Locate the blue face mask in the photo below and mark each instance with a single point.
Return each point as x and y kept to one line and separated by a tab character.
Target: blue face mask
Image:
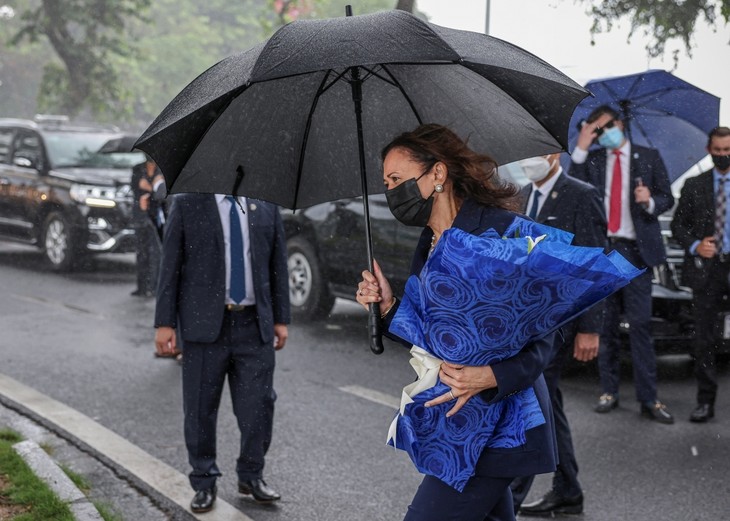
611	138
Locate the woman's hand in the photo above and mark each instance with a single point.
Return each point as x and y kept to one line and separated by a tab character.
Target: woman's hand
374	288
465	382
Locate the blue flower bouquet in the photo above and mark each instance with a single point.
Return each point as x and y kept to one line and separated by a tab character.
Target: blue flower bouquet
479	300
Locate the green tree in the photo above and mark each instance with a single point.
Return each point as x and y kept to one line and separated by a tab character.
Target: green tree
85	35
661	20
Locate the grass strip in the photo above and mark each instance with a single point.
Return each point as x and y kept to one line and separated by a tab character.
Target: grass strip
27	489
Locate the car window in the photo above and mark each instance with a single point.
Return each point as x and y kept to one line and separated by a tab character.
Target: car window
80	149
28	151
6	138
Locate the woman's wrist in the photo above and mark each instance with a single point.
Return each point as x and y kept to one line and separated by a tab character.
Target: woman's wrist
389	308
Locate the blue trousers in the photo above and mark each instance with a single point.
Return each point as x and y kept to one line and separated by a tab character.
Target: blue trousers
483	499
249	366
635	302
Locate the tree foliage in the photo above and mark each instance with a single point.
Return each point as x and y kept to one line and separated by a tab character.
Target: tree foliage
661	20
85	35
124	60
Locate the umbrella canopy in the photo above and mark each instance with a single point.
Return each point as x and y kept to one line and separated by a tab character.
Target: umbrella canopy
660	111
284	109
121	144
300	119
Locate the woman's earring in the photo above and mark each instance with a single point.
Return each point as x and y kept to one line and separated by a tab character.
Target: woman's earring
439	188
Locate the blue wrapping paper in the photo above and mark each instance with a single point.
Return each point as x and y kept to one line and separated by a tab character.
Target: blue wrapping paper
479	300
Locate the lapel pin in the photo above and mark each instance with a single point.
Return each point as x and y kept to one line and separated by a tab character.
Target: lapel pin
636	155
252	206
554	195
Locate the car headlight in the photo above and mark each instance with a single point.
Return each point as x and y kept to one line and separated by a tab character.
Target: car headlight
90	195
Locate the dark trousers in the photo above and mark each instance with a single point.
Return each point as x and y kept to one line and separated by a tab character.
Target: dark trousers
483	499
249	365
707	303
635	302
565	478
149	253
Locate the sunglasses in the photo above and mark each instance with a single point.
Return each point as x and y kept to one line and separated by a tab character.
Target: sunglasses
609	124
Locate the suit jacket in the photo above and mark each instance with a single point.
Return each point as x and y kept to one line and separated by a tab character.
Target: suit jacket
694	219
648	165
539	453
192	274
576	207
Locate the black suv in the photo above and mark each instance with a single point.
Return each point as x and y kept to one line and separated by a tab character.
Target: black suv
59	193
326	249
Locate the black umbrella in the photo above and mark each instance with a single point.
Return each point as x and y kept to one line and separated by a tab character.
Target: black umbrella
300	118
120	144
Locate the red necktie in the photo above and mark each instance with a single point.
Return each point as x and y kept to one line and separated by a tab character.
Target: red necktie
614	212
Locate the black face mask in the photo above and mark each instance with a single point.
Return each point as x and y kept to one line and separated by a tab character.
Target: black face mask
722	163
408	205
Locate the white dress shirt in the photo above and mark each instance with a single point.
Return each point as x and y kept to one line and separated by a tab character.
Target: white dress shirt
626	230
544	190
224	208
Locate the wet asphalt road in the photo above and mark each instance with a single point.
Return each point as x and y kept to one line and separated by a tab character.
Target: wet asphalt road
83	340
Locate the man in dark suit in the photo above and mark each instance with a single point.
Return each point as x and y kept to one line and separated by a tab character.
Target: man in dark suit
635	186
224	291
555	199
702	227
144	177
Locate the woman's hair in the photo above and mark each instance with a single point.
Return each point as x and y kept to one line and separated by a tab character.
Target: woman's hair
474	176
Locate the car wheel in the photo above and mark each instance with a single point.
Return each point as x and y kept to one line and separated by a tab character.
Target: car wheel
309	295
57	243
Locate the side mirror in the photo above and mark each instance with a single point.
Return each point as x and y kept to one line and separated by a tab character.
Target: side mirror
24	162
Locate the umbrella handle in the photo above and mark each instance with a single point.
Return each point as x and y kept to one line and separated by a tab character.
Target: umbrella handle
376	337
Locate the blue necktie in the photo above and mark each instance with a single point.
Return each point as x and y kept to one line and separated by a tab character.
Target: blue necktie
238	267
535	199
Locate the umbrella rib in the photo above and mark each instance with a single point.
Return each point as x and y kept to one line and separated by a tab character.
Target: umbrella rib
322	88
403	92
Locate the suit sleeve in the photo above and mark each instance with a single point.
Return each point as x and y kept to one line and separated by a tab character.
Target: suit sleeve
520	371
590	230
279	273
661	189
579	171
173	245
683	220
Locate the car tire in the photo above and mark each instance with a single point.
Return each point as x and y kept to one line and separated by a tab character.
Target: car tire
57	243
309	295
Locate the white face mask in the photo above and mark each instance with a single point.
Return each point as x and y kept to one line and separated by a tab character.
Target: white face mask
536	168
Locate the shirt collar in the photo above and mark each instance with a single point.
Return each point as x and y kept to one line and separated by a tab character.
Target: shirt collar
219	198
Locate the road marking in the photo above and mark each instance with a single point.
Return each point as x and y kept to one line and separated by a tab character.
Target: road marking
155	474
56	304
373	396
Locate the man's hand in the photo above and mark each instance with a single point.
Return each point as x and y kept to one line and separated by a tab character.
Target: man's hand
586	136
144	202
465	382
165	341
281	333
585	347
642	194
707	248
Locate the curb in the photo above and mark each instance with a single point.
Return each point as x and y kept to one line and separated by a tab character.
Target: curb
47	470
163	484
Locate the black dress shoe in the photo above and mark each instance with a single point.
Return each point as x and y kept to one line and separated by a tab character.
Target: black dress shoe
657	411
702	413
553	503
260	491
203	500
606	403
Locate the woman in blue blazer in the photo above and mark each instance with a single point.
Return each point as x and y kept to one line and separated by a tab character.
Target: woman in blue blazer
435	181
